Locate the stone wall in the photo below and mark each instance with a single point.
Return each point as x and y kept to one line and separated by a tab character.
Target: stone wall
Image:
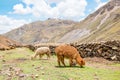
109	50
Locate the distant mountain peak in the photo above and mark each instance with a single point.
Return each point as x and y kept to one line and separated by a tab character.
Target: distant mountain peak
53	19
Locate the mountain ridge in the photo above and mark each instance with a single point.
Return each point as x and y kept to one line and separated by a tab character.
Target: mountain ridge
102	25
41	31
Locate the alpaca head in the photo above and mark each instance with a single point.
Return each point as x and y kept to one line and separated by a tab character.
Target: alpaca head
80	61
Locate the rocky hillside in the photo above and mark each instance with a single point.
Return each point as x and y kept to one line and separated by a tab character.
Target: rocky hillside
6	44
41	31
102	25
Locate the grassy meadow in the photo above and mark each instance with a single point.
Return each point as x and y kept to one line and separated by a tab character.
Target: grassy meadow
15	64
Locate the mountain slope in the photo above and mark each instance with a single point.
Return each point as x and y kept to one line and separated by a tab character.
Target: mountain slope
102	25
6	43
105	23
41	31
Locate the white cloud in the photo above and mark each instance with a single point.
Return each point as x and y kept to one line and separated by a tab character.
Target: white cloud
72	9
100	4
54	1
98	1
19	9
28	2
7	23
66	9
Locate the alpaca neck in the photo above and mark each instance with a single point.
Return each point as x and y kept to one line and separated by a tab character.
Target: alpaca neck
80	61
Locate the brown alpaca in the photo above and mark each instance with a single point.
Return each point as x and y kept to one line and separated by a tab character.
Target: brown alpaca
41	51
70	52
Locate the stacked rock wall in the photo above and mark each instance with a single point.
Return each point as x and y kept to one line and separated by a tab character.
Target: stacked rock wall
109	50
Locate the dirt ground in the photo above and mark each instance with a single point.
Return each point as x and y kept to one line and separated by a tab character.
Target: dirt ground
101	63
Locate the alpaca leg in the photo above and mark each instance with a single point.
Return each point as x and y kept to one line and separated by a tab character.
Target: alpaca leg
62	60
48	55
59	59
71	62
40	56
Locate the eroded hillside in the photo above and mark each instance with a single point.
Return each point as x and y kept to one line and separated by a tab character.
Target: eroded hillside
102	25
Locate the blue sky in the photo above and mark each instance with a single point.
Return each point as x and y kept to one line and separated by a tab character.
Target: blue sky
15	13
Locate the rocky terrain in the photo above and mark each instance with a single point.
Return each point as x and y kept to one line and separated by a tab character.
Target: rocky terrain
6	43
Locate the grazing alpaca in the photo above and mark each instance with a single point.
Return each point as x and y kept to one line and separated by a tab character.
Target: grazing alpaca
67	51
41	51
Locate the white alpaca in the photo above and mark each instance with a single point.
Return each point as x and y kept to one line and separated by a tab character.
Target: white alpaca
41	51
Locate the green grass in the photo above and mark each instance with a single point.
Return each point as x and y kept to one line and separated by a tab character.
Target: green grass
48	69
